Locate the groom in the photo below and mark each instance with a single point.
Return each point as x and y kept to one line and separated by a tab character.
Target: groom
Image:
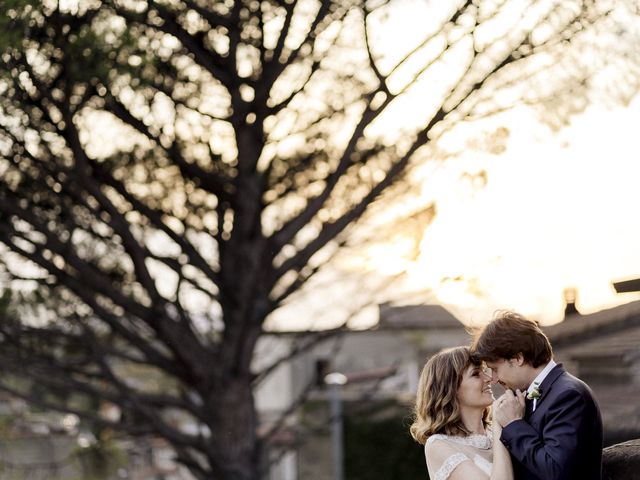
551	422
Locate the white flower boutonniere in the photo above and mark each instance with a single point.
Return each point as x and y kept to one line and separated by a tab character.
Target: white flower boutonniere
535	393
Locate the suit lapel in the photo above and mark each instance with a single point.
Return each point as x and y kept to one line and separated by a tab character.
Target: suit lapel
545	386
528	408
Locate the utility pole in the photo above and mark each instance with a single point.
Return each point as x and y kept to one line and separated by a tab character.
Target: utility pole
336	381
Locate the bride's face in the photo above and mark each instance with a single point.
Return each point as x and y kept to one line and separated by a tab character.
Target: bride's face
475	388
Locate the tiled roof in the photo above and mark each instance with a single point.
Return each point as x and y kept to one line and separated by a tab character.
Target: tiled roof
620	411
581	328
604	347
417	316
620	341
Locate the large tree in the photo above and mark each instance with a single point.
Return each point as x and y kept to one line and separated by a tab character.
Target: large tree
173	171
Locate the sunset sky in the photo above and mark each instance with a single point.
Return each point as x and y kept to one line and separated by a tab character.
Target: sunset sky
559	209
556	208
552	209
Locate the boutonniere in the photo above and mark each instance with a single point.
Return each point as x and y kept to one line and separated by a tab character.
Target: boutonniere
535	393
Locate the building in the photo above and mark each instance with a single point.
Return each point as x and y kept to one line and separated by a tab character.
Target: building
383	363
603	349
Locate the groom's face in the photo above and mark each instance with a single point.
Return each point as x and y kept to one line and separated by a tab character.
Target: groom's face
509	373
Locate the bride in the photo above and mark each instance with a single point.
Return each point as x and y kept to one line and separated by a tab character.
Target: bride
451	420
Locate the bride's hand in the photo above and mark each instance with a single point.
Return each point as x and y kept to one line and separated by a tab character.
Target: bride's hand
495	425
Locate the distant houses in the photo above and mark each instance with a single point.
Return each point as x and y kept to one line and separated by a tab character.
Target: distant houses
380	364
396	349
603	349
384	363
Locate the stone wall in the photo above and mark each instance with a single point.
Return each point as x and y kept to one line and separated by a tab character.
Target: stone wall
622	461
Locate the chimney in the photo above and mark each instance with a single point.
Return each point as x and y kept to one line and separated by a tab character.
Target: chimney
570	296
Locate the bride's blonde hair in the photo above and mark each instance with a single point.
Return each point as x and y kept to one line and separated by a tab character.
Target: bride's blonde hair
437	409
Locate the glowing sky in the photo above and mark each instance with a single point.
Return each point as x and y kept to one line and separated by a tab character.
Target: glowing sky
559	209
555	209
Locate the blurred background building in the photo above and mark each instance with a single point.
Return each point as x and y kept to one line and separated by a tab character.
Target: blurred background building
381	367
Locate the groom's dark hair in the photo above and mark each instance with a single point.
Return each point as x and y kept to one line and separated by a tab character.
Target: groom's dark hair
509	334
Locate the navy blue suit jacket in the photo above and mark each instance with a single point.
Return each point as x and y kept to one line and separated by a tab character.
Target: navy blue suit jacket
562	438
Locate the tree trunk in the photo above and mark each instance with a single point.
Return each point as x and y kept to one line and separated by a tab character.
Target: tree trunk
234	448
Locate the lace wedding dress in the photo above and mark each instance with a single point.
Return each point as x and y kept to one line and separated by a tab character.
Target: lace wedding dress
445	452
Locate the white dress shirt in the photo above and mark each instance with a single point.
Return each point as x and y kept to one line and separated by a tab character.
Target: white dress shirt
538	380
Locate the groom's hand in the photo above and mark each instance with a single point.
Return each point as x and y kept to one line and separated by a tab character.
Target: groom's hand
509	407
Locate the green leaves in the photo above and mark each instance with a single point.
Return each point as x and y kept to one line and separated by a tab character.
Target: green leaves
15	17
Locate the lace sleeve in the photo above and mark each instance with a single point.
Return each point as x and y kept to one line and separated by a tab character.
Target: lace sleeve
443	456
449	465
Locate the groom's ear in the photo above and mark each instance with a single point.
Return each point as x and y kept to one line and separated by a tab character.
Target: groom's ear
519	359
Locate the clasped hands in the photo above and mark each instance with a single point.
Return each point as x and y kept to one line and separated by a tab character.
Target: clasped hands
509	407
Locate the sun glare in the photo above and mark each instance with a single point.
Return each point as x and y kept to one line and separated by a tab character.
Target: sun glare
558	211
